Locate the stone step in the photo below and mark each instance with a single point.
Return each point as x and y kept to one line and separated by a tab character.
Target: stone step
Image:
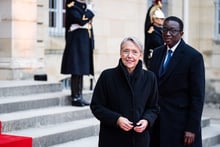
60	133
211	135
18	88
42	110
92	141
33	101
84	142
42	117
205	122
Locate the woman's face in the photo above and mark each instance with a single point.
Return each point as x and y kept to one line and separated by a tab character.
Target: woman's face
130	55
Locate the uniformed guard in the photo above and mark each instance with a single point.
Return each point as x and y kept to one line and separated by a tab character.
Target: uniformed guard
156	4
78	53
153	30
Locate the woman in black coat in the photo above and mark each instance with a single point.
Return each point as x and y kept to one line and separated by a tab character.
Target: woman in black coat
125	100
78	54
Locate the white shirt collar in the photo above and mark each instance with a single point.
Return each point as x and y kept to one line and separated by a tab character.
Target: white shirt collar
174	47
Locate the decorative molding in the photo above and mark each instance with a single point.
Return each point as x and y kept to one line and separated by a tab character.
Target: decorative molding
21	63
54	51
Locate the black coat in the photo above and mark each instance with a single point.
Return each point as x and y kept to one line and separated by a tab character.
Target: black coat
181	95
118	94
78	53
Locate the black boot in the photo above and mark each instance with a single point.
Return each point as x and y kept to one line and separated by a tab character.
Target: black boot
80	91
76	91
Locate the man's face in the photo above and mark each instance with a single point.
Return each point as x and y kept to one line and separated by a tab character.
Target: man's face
171	33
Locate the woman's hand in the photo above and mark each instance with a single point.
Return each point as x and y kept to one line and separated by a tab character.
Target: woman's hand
141	126
124	123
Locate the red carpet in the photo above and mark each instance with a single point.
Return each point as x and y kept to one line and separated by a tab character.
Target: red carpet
0	127
15	141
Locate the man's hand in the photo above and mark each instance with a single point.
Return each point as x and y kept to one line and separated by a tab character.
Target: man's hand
124	123
189	138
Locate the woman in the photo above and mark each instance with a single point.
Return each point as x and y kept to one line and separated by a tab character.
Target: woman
125	100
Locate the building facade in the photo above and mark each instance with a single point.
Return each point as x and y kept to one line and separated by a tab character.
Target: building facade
32	34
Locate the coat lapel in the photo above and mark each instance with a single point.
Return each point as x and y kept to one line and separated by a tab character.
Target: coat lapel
159	61
176	58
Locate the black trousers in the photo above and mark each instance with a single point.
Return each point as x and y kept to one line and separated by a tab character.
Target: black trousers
76	86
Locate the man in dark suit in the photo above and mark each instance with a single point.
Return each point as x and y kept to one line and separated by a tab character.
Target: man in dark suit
181	89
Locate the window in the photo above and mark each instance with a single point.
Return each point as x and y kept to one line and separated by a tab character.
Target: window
57	17
217	18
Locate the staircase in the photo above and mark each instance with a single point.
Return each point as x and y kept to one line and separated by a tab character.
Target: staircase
42	110
210	133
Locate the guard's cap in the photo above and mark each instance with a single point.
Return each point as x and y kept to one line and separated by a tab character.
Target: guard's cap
158	13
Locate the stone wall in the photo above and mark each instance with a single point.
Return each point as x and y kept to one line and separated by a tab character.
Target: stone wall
19	57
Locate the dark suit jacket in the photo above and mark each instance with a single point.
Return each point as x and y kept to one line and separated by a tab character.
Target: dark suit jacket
181	94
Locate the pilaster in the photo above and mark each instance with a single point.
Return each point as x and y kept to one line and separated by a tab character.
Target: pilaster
19	58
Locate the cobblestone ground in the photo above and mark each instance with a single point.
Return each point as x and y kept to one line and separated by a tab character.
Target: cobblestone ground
212	111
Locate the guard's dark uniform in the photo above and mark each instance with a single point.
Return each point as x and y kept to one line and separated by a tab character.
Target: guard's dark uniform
78	54
152	33
153	39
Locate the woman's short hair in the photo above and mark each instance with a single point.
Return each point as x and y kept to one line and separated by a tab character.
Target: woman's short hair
136	41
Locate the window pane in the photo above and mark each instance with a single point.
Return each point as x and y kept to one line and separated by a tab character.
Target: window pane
64	2
64	13
218	14
218	28
52	4
52	19
57	12
64	19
